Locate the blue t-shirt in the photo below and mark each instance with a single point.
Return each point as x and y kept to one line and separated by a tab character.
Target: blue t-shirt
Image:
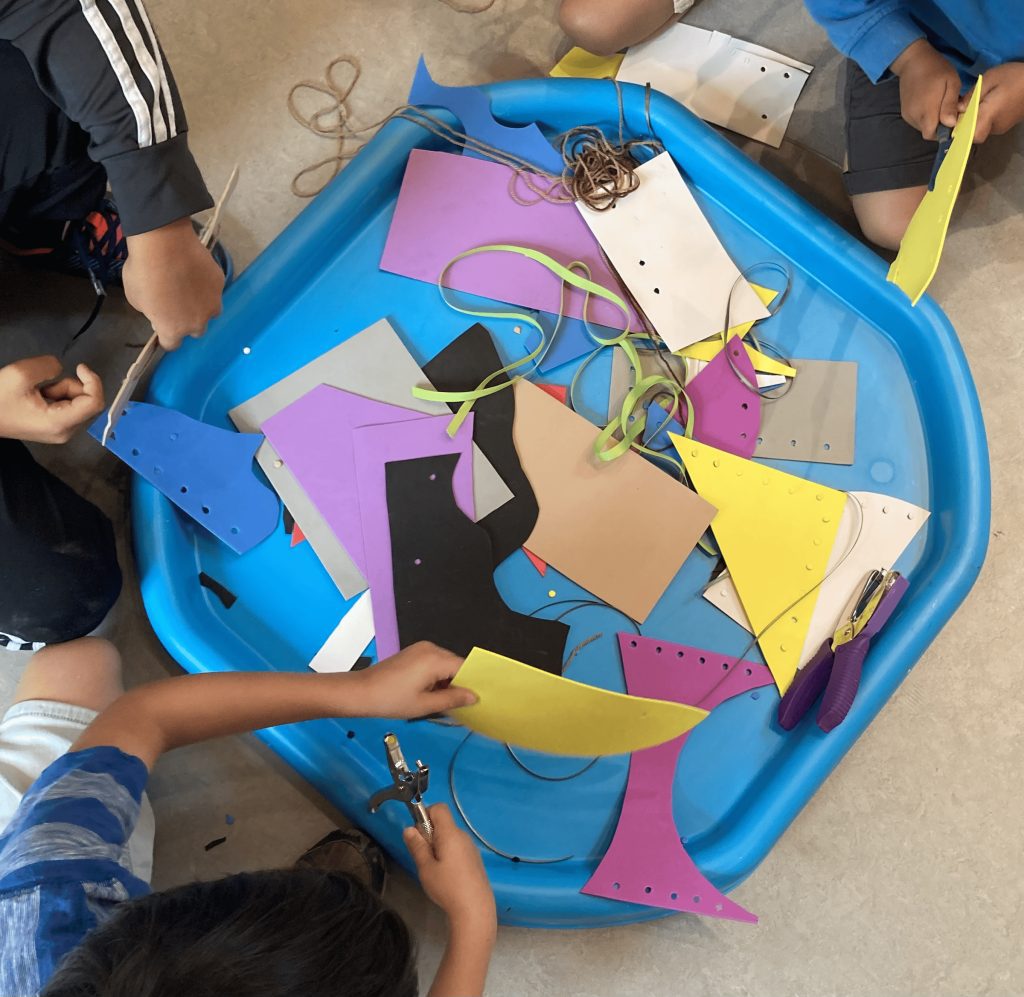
63	861
974	34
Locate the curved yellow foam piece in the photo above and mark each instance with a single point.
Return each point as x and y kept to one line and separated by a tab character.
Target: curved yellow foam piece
921	248
776	532
525	706
581	63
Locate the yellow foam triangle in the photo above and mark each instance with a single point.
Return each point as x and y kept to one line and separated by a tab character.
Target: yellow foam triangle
579	62
522	705
710	348
921	247
776	532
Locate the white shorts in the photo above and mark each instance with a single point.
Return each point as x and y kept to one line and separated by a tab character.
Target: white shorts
33	735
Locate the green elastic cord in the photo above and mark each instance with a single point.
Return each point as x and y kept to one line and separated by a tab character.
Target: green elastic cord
629	422
486	387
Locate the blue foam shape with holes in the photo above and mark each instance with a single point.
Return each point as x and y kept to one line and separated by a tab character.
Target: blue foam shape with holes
205	471
473	108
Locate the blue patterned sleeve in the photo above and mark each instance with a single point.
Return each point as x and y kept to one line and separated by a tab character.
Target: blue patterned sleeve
63	861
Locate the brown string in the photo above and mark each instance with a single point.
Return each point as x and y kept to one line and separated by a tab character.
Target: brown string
597	172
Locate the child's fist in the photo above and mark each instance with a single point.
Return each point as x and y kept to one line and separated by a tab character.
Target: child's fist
929	88
451	872
1002	100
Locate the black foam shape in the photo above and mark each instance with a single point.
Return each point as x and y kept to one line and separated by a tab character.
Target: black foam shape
222	592
443	572
461	367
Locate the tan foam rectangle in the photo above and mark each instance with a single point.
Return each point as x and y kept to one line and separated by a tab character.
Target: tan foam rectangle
587	527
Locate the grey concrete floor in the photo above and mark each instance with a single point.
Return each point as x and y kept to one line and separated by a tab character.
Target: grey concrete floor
903	876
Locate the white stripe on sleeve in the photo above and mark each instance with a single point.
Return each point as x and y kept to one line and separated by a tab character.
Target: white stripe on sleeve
145	60
122	70
165	87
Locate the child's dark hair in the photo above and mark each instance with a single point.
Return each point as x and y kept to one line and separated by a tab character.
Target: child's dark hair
287	933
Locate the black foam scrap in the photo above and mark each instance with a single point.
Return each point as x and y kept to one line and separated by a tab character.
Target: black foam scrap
443	572
462	366
222	592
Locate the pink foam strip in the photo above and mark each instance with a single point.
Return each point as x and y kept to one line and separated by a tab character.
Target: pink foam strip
646	863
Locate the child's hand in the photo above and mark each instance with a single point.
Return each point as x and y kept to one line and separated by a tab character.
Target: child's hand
452	873
929	88
1002	100
39	406
413	683
173	280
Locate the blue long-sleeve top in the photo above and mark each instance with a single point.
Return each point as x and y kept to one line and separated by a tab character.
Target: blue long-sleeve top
974	34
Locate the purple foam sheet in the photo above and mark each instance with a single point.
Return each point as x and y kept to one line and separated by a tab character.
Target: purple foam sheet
374	447
314	437
646	863
473	108
204	470
726	413
451	203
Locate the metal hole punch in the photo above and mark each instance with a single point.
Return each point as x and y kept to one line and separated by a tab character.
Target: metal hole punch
408	787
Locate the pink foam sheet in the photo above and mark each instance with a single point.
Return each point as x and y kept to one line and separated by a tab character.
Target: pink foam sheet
314	437
646	863
451	203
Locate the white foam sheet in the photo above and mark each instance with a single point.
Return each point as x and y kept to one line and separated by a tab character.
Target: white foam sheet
741	86
666	251
348	640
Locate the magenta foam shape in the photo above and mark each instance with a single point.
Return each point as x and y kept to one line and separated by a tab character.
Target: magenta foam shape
726	413
646	862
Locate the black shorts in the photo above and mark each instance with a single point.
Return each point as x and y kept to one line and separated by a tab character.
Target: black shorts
883	152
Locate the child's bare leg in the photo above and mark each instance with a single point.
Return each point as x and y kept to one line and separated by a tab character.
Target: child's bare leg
605	26
885	214
84	672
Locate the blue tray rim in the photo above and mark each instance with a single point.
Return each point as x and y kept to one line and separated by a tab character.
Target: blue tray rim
701	152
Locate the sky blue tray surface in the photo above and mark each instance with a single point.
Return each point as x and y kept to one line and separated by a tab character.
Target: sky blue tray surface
920	437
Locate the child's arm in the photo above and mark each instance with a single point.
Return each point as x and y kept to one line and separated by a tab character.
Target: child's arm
871	32
452	875
157	717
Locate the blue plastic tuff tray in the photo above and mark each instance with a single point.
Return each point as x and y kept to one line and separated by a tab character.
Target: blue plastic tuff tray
920	437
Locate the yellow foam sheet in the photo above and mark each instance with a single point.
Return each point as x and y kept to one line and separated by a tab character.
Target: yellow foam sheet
710	348
776	532
921	248
581	63
525	706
